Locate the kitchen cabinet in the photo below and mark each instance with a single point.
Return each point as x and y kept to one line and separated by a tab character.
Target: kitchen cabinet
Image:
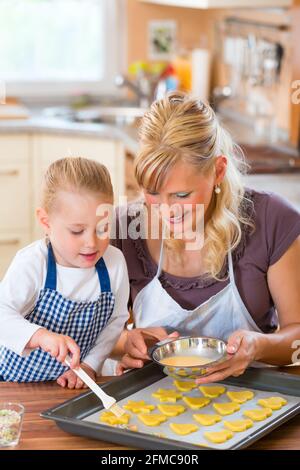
24	158
10	243
15	196
205	4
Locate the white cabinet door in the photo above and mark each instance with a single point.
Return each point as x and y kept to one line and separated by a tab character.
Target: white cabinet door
14	196
286	185
14	147
10	243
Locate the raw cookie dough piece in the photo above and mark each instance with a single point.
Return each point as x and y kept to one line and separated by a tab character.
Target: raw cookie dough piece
239	425
240	397
258	415
183	429
207	419
167	395
171	410
138	406
159	434
226	408
218	437
185	386
152	419
275	403
212	392
196	403
109	418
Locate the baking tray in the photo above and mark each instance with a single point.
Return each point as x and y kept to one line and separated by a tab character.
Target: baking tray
76	416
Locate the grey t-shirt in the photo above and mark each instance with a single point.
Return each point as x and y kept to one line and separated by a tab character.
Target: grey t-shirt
277	225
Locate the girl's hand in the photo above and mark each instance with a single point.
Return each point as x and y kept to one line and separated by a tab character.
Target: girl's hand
242	349
58	346
69	378
136	346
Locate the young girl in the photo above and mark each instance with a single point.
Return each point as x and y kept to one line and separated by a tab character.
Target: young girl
67	293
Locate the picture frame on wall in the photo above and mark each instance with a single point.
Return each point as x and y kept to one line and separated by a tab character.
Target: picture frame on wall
162	39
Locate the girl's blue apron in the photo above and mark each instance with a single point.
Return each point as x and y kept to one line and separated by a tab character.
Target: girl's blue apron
82	321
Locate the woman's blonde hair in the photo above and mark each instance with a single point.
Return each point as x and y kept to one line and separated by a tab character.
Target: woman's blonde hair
75	174
179	128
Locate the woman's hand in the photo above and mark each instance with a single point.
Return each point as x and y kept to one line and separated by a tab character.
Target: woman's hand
136	346
71	380
242	348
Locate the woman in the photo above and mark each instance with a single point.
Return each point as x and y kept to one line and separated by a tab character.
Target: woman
243	284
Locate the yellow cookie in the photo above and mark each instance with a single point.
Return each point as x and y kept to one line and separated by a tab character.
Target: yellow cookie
239	425
138	407
212	392
196	403
183	429
258	415
219	437
275	403
109	418
167	395
171	410
226	408
152	419
185	386
240	397
207	420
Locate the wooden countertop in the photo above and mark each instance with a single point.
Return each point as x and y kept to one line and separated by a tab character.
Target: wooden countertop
42	434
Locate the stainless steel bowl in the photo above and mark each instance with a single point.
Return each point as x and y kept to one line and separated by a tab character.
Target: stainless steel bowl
211	348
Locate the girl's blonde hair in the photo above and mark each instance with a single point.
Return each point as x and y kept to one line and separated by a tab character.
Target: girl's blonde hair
75	174
179	128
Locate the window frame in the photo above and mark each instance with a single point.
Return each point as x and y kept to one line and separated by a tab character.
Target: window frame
115	62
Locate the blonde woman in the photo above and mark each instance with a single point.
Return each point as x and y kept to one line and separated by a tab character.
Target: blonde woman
66	293
243	283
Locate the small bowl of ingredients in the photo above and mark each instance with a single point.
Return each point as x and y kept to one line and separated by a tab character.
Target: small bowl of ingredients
188	357
11	416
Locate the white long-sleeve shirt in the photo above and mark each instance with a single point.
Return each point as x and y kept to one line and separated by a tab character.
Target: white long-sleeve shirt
21	285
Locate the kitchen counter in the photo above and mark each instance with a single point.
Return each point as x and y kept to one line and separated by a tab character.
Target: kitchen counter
262	158
51	125
39	433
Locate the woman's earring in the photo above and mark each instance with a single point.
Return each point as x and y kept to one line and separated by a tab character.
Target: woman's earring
217	189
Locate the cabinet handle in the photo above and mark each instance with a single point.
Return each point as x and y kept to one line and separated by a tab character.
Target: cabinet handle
9	241
9	172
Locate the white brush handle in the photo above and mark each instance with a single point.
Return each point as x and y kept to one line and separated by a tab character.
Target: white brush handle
107	400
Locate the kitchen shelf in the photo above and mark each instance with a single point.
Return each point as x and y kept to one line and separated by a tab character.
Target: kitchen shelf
205	4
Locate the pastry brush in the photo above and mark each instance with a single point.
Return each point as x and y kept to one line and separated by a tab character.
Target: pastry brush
109	402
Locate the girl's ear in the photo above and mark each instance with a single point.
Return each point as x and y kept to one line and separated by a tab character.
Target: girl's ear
43	219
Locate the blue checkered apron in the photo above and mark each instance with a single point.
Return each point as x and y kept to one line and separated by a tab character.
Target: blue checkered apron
82	321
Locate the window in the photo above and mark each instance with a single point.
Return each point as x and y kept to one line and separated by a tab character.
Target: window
72	44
